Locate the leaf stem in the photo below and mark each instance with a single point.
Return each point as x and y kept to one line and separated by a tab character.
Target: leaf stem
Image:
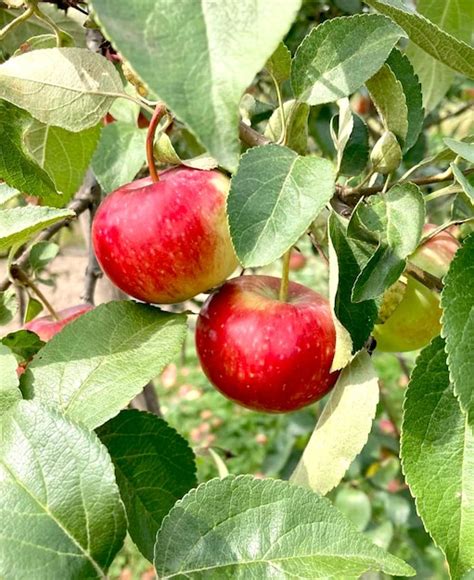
283	135
18	274
158	113
49	21
283	294
28	13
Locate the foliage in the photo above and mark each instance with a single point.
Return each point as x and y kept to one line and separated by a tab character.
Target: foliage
344	127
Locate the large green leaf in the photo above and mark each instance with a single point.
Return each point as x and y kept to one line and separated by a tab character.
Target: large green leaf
64	155
337	57
457	301
19	224
35	27
9	391
154	467
17	167
342	428
72	88
217	48
100	361
61	511
437	452
273	198
439	44
241	527
456	18
389	98
403	70
403	210
350	256
119	156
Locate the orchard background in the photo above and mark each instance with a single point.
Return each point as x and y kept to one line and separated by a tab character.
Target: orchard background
346	128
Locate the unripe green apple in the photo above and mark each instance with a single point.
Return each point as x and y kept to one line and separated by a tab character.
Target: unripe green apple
413	323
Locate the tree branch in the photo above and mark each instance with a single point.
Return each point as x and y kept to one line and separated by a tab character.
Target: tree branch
251	137
93	271
425	278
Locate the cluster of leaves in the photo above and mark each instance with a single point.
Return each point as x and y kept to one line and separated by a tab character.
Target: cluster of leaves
78	471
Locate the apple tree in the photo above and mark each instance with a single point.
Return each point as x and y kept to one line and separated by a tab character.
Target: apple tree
208	140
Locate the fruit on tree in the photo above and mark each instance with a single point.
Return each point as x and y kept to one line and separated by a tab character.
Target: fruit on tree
46	327
413	323
297	261
264	353
435	255
167	241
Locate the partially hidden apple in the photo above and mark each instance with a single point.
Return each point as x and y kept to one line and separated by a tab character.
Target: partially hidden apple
263	353
167	241
414	322
297	261
46	327
435	255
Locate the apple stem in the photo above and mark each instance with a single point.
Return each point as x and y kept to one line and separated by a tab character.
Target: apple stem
283	294
158	113
19	275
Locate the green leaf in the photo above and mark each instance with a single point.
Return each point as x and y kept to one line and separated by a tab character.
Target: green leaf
457	299
355	505
456	18
119	156
350	256
273	200
405	215
386	155
43	41
33	308
461	148
34	27
215	67
439	44
61	511
7	193
296	118
403	70
9	391
389	99
20	224
274	528
337	57
8	306
17	167
100	361
64	155
437	450
154	467
463	181
342	428
41	255
356	152
72	88
165	153
23	343
279	64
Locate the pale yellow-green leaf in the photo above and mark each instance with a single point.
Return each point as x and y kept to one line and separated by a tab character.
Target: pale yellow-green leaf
342	429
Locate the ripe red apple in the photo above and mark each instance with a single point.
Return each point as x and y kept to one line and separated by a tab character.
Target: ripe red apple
297	261
413	323
167	241
263	353
435	255
46	327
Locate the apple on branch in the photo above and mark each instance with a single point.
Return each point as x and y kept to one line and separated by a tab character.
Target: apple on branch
265	353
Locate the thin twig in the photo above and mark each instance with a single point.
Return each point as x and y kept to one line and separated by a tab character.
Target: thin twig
93	270
251	137
439	120
425	278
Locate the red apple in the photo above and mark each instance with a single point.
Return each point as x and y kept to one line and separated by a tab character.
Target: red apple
435	255
46	327
263	353
167	241
297	261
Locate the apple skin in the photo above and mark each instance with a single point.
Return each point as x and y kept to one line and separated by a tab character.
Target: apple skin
46	327
435	255
165	242
414	322
265	354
